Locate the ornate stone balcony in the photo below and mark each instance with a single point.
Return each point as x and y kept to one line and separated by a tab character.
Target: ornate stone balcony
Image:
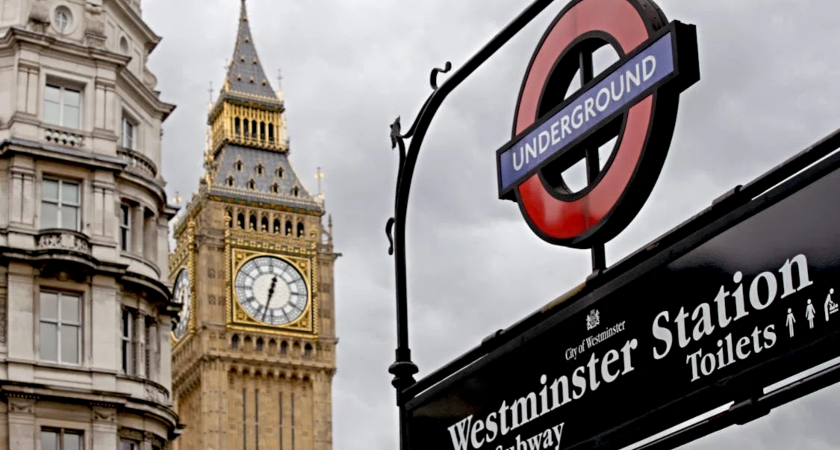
66	240
62	136
137	162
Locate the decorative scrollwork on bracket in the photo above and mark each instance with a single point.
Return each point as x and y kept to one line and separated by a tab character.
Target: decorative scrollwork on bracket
433	77
397	139
388	228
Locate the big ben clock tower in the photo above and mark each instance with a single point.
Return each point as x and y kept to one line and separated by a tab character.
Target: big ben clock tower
254	348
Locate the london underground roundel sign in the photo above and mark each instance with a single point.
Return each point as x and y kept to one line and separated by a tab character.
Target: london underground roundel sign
635	101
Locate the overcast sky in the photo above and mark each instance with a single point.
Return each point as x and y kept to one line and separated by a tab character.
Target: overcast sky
769	88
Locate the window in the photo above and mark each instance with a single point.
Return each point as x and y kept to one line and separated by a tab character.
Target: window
275	188
125	444
128	134
252	185
63	19
62	106
57	439
60	204
125	227
307	351
279	172
150	328
61	328
300	229
124	45
295	191
234	342
238	166
260	169
230	181
127	328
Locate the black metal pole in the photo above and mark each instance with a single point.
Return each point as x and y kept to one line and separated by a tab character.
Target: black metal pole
403	368
593	163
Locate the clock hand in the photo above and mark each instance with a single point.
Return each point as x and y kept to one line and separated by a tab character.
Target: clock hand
270	295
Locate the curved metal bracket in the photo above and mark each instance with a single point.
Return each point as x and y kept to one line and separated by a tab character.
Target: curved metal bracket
403	368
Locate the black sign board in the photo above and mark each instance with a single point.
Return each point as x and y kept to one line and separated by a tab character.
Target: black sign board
743	303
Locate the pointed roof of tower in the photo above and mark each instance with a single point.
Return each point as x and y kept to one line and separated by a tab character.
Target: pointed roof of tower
245	72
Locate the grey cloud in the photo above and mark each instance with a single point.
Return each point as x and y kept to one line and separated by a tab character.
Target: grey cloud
351	66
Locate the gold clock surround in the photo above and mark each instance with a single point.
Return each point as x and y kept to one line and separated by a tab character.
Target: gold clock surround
184	259
239	319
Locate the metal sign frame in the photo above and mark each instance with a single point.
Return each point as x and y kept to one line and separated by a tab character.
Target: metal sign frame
404	369
750	402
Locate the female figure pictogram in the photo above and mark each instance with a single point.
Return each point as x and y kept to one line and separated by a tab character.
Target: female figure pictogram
810	312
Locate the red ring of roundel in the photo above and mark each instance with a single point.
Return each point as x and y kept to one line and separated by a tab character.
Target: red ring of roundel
557	220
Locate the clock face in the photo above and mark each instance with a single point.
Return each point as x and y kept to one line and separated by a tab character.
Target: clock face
271	290
182	296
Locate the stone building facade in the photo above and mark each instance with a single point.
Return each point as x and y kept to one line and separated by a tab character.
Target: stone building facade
85	300
254	352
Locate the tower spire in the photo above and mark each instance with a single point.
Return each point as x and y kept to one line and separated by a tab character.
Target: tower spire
245	73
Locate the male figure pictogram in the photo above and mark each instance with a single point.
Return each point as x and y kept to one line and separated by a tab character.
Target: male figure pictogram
790	321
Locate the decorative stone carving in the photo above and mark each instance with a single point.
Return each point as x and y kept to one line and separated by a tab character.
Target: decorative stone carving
149	78
130	433
156	394
39	16
104	414
21	405
95	25
65	240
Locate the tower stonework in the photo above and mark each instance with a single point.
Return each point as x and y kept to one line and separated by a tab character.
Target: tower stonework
254	350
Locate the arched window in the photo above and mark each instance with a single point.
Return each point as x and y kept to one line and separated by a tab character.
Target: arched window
275	188
279	172
234	342
295	191
300	229
245	127
262	131
252	184
238	166
253	222
271	132
307	351
259	345
236	127
228	217
296	349
230	181
284	348
272	346
277	225
260	169
253	129
289	228
240	221
264	224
